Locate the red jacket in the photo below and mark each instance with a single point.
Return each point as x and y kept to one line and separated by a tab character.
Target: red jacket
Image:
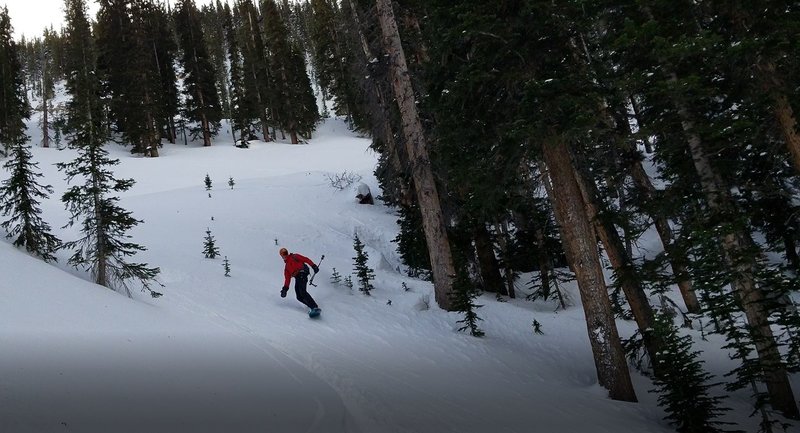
294	264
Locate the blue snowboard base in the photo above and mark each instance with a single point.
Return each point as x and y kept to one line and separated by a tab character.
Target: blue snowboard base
314	312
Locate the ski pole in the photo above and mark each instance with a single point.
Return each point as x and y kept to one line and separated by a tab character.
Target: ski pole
311	281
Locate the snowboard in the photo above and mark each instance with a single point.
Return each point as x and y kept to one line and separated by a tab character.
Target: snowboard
314	312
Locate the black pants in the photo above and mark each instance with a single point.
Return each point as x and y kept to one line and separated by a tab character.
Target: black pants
300	281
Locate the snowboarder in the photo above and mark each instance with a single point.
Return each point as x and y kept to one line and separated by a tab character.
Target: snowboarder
297	267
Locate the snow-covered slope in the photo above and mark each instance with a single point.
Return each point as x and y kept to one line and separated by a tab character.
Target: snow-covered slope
227	354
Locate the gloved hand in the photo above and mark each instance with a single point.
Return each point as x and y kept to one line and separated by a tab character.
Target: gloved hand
315	268
283	291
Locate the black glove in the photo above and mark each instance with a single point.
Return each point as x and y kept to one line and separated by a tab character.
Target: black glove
315	268
283	291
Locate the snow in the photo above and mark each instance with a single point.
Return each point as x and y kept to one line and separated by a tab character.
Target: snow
227	354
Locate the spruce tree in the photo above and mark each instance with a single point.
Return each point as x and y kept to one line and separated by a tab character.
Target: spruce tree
256	67
243	106
296	108
213	22
210	249
681	379
20	193
202	101
104	247
364	274
132	83
165	49
331	56
49	77
688	77
336	277
226	265
463	301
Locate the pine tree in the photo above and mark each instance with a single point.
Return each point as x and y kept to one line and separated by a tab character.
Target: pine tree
207	181
296	108
49	76
132	83
165	48
364	274
231	183
20	193
227	266
463	301
104	246
687	75
202	101
243	107
213	22
256	67
336	277
210	249
681	379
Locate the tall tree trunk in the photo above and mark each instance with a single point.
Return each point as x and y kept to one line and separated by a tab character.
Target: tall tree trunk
677	260
206	130
45	122
787	123
580	245
433	221
508	271
487	261
621	263
153	138
735	245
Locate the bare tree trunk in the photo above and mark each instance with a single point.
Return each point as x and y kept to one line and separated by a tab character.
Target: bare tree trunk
487	262
752	298
206	130
45	122
153	137
788	123
508	272
622	265
433	221
172	135
580	245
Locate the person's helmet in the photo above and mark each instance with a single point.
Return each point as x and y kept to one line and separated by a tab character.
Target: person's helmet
283	252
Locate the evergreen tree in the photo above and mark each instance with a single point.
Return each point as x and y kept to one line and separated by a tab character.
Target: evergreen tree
207	182
202	101
295	107
364	274
681	379
104	246
210	249
687	76
243	106
227	266
20	193
336	277
463	301
231	183
256	67
165	48
332	57
213	21
49	76
132	83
